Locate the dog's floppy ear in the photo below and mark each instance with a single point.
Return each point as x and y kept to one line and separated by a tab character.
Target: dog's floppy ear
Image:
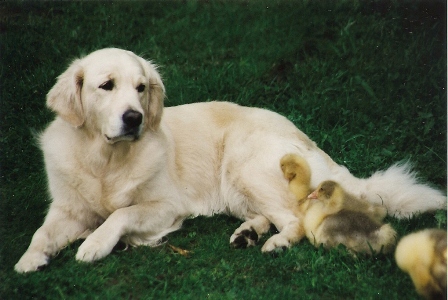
65	96
156	91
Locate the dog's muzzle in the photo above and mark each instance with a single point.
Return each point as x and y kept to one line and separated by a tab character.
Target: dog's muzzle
131	122
131	128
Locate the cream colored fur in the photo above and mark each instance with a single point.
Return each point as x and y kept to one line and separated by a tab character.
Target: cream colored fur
197	159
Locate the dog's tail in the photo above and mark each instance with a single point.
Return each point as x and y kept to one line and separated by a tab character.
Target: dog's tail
399	190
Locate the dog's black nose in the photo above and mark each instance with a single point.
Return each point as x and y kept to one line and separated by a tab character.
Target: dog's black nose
132	118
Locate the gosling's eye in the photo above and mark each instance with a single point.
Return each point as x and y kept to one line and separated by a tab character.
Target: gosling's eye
107	86
141	88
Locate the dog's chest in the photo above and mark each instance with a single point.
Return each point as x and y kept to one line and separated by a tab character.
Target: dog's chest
107	192
117	193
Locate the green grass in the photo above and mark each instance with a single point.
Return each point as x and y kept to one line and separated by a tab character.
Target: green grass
365	79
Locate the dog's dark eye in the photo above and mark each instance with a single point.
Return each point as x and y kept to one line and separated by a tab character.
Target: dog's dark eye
107	86
141	88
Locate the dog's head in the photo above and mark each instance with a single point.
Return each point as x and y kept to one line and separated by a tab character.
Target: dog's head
111	92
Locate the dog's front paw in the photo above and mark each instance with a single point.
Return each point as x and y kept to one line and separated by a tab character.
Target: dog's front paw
92	250
31	261
244	239
277	241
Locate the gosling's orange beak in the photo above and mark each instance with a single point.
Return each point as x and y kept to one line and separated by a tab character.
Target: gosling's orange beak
313	195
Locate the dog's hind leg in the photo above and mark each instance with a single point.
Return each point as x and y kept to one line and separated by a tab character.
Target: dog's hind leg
290	227
273	204
266	195
249	232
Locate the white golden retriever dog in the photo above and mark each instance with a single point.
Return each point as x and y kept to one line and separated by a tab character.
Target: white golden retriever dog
119	169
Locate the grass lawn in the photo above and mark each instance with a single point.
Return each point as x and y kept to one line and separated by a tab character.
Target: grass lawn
365	79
